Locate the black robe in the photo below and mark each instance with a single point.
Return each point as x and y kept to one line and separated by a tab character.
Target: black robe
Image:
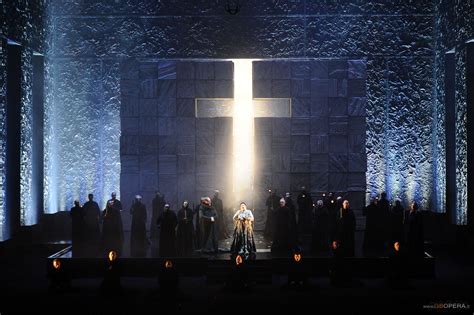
91	215
396	224
209	242
283	241
138	240
220	223
372	226
272	203
293	222
345	235
185	232
197	228
383	221
167	222
305	205
158	204
112	230
320	232
77	226
415	240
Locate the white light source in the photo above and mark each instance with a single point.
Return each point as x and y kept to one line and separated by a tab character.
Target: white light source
243	129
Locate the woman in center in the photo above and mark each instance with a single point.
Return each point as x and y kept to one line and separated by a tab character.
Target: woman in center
244	243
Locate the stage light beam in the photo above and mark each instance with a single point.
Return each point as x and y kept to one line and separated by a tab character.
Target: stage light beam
243	129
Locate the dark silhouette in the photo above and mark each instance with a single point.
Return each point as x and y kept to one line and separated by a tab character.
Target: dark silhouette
112	228
396	223
220	223
158	204
185	231
415	239
167	222
91	215
305	206
272	203
320	232
283	241
77	226
138	240
345	235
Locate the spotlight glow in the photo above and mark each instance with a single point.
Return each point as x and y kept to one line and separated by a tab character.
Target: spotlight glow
243	129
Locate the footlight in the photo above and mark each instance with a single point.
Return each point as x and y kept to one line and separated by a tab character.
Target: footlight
58	276
238	275
111	283
296	274
168	278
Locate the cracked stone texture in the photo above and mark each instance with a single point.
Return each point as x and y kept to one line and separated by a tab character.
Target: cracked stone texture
24	22
377	32
453	26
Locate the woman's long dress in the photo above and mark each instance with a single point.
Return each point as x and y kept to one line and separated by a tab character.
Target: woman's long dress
243	243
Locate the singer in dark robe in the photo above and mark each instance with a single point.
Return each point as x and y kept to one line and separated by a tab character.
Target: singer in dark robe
167	222
370	212
112	228
272	203
293	220
305	207
138	239
207	226
397	214
115	202
185	231
91	215
320	235
158	204
77	226
383	219
345	235
243	243
415	239
282	236
220	223
197	227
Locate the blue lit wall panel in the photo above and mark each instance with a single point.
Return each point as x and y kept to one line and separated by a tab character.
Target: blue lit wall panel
83	133
27	213
453	26
24	22
3	100
402	43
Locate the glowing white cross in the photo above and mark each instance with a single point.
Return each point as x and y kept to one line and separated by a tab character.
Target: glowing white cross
243	108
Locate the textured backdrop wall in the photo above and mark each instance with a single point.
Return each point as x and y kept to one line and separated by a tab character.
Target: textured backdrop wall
454	25
91	37
23	22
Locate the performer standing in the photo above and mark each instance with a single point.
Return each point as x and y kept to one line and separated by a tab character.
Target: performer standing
77	225
272	203
158	204
112	228
138	234
91	215
221	228
167	222
243	243
207	218
185	230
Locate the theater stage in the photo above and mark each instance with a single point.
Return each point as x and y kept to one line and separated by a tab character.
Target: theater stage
216	268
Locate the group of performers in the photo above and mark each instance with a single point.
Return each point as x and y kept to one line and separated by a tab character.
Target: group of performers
330	221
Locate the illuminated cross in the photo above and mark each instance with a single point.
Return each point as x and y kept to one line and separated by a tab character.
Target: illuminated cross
243	108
